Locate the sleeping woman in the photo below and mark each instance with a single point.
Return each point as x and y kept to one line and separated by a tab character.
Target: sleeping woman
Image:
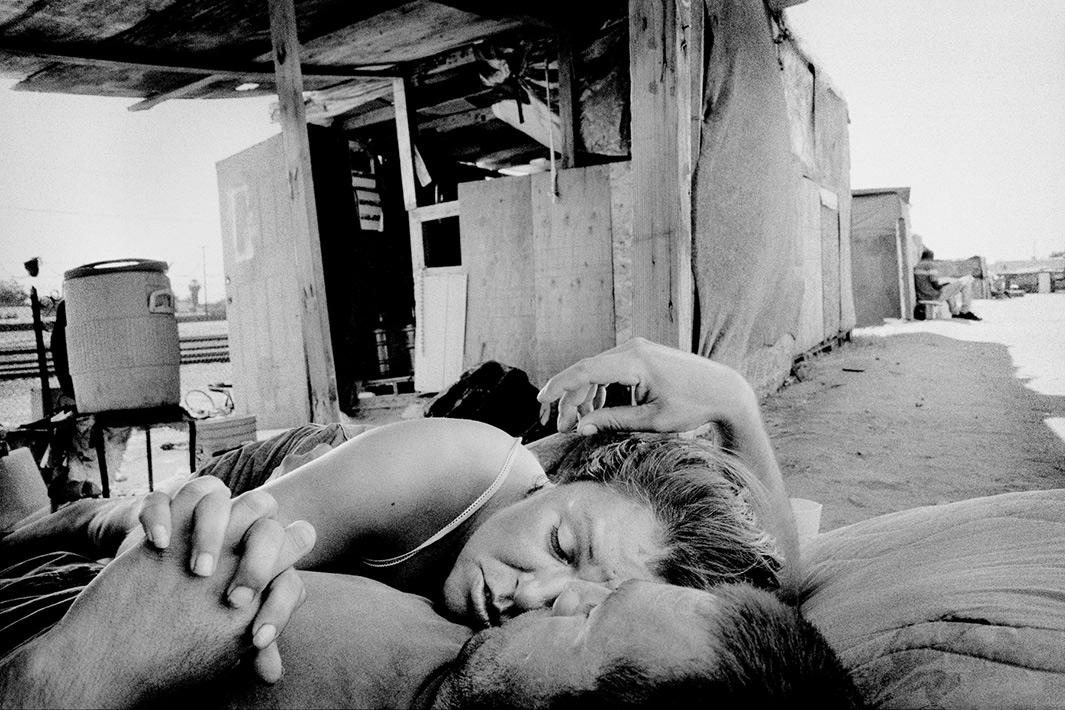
461	512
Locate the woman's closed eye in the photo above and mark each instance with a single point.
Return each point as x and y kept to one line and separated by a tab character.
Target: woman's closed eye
562	543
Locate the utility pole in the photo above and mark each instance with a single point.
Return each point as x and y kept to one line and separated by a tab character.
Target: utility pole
203	261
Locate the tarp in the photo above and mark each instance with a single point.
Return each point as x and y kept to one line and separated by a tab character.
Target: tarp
745	198
762	147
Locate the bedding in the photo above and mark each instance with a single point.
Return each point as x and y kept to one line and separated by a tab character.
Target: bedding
951	606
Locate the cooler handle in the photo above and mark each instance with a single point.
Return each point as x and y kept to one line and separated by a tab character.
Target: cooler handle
161	301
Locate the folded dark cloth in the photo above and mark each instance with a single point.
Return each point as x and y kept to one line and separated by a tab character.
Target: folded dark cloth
252	464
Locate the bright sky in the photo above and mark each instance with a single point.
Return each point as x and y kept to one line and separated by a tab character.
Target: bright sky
82	179
963	101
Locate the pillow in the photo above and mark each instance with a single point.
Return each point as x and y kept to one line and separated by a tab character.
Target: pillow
952	606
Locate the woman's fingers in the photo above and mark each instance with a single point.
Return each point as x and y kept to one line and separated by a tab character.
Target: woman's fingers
246	509
595	393
268	550
209	522
154	518
285	594
578	385
267	664
195	520
262	546
569	405
638	418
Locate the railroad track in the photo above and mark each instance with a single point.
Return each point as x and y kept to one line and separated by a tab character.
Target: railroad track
19	361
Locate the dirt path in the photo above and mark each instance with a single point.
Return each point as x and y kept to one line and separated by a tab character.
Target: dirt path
913	417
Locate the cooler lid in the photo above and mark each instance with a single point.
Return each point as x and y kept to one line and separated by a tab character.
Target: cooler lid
98	268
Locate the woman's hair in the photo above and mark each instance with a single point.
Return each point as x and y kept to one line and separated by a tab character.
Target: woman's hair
705	499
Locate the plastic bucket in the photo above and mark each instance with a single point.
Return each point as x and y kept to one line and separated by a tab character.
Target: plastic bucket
122	336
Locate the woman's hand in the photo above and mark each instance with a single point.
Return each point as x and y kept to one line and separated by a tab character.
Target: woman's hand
673	391
213	518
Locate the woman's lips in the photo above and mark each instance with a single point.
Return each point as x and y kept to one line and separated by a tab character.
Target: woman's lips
479	599
494	617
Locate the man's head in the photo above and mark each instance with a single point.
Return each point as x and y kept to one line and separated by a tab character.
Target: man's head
705	500
652	644
927	255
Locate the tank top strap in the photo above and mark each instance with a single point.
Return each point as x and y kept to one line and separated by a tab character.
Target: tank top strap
459	519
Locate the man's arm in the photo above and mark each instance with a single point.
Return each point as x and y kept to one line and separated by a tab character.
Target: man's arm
147	626
676	391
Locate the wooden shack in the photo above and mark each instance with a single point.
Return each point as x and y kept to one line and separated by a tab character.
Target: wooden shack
480	182
884	252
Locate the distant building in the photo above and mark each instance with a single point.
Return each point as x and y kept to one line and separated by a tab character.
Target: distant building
883	252
1032	275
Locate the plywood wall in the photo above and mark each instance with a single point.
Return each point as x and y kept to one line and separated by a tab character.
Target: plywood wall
265	339
540	267
496	223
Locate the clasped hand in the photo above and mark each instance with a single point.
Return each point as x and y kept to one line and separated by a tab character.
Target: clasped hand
207	527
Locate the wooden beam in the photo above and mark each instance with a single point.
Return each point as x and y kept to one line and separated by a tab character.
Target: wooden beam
156	99
405	140
567	100
656	202
307	247
181	64
440	210
369	118
453	121
544	14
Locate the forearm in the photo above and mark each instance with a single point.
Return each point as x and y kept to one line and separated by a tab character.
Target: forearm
743	431
52	672
93	528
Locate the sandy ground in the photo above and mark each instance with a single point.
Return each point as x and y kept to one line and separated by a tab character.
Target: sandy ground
906	414
922	413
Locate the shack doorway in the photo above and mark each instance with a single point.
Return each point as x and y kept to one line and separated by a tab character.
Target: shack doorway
366	266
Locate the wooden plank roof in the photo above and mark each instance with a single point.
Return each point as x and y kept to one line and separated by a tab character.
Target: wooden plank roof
145	49
157	50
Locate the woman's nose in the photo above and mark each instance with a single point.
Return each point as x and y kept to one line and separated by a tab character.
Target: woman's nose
579	598
536	591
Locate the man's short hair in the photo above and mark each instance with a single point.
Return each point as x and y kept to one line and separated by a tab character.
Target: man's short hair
927	255
761	654
707	502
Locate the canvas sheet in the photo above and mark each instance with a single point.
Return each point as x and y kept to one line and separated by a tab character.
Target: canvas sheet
747	211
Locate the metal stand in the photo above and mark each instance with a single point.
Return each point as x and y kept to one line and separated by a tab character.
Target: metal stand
145	419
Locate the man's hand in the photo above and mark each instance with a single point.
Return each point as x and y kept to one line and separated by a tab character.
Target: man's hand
673	391
213	516
147	625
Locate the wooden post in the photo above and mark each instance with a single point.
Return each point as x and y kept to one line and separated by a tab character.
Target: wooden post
405	143
689	104
567	100
662	298
307	247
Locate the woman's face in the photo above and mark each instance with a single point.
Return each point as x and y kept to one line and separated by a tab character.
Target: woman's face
523	556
